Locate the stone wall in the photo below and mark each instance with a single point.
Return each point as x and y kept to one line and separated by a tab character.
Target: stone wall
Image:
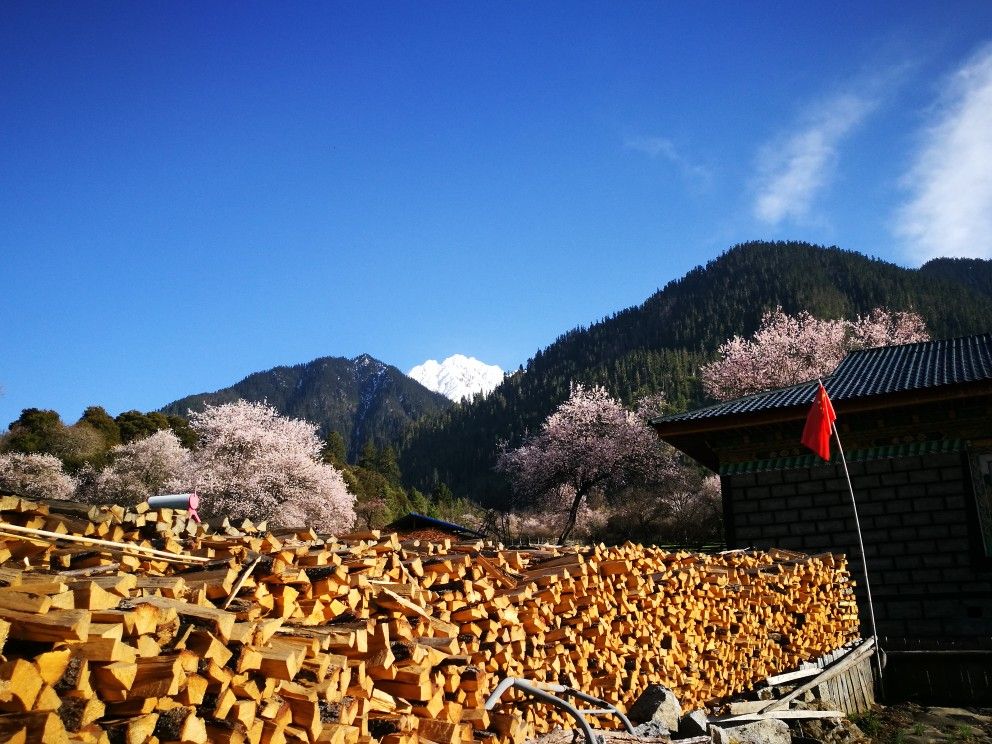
929	575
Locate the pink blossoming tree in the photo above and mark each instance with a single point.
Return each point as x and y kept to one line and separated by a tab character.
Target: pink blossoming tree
590	443
787	349
251	462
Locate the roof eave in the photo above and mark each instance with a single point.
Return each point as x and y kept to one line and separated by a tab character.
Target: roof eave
685	434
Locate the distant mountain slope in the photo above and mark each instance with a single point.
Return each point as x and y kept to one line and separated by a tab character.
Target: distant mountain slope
363	399
660	345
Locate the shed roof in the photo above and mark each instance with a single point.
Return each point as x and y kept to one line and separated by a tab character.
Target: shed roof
414	520
871	372
871	379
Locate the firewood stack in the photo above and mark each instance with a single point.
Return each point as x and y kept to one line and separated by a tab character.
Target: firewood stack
160	629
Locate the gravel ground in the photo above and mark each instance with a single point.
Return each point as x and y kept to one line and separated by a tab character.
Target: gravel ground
909	723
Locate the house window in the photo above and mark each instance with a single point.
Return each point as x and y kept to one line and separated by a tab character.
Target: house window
981	469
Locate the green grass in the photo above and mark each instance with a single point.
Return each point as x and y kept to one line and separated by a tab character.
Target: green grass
869	722
963	733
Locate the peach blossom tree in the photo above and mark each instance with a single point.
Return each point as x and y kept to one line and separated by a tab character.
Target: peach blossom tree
789	349
591	443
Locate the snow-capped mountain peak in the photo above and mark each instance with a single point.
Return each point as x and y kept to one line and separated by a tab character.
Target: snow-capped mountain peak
458	376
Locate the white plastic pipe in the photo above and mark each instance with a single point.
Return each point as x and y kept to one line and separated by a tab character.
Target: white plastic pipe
188	501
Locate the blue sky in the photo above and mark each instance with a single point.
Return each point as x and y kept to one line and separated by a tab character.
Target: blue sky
191	192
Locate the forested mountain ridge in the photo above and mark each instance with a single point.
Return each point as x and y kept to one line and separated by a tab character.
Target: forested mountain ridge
660	344
975	273
362	399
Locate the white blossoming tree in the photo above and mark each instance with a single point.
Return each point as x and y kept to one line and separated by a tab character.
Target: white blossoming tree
35	476
590	443
144	467
253	463
787	349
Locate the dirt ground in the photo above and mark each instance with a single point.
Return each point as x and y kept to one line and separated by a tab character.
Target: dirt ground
909	723
906	723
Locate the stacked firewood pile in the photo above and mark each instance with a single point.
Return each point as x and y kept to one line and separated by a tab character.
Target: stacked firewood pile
140	626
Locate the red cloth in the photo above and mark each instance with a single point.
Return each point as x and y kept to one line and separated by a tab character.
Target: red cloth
816	433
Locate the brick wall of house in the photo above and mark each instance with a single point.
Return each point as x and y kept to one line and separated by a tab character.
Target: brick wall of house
928	576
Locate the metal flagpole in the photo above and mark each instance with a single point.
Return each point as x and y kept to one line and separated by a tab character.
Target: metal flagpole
861	546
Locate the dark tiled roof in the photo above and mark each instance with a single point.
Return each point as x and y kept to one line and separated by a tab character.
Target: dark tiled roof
413	520
871	372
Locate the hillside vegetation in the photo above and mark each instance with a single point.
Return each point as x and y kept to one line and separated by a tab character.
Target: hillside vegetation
659	345
362	399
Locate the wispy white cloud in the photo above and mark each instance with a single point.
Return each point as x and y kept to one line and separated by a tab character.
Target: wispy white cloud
949	211
654	146
796	167
661	147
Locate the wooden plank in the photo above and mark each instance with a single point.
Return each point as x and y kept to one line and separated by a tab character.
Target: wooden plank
864	650
124	547
220	622
55	626
787	677
241	579
24	601
782	715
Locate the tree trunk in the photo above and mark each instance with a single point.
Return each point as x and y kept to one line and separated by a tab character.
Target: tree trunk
573	514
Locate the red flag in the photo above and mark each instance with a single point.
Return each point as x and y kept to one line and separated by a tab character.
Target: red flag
816	433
